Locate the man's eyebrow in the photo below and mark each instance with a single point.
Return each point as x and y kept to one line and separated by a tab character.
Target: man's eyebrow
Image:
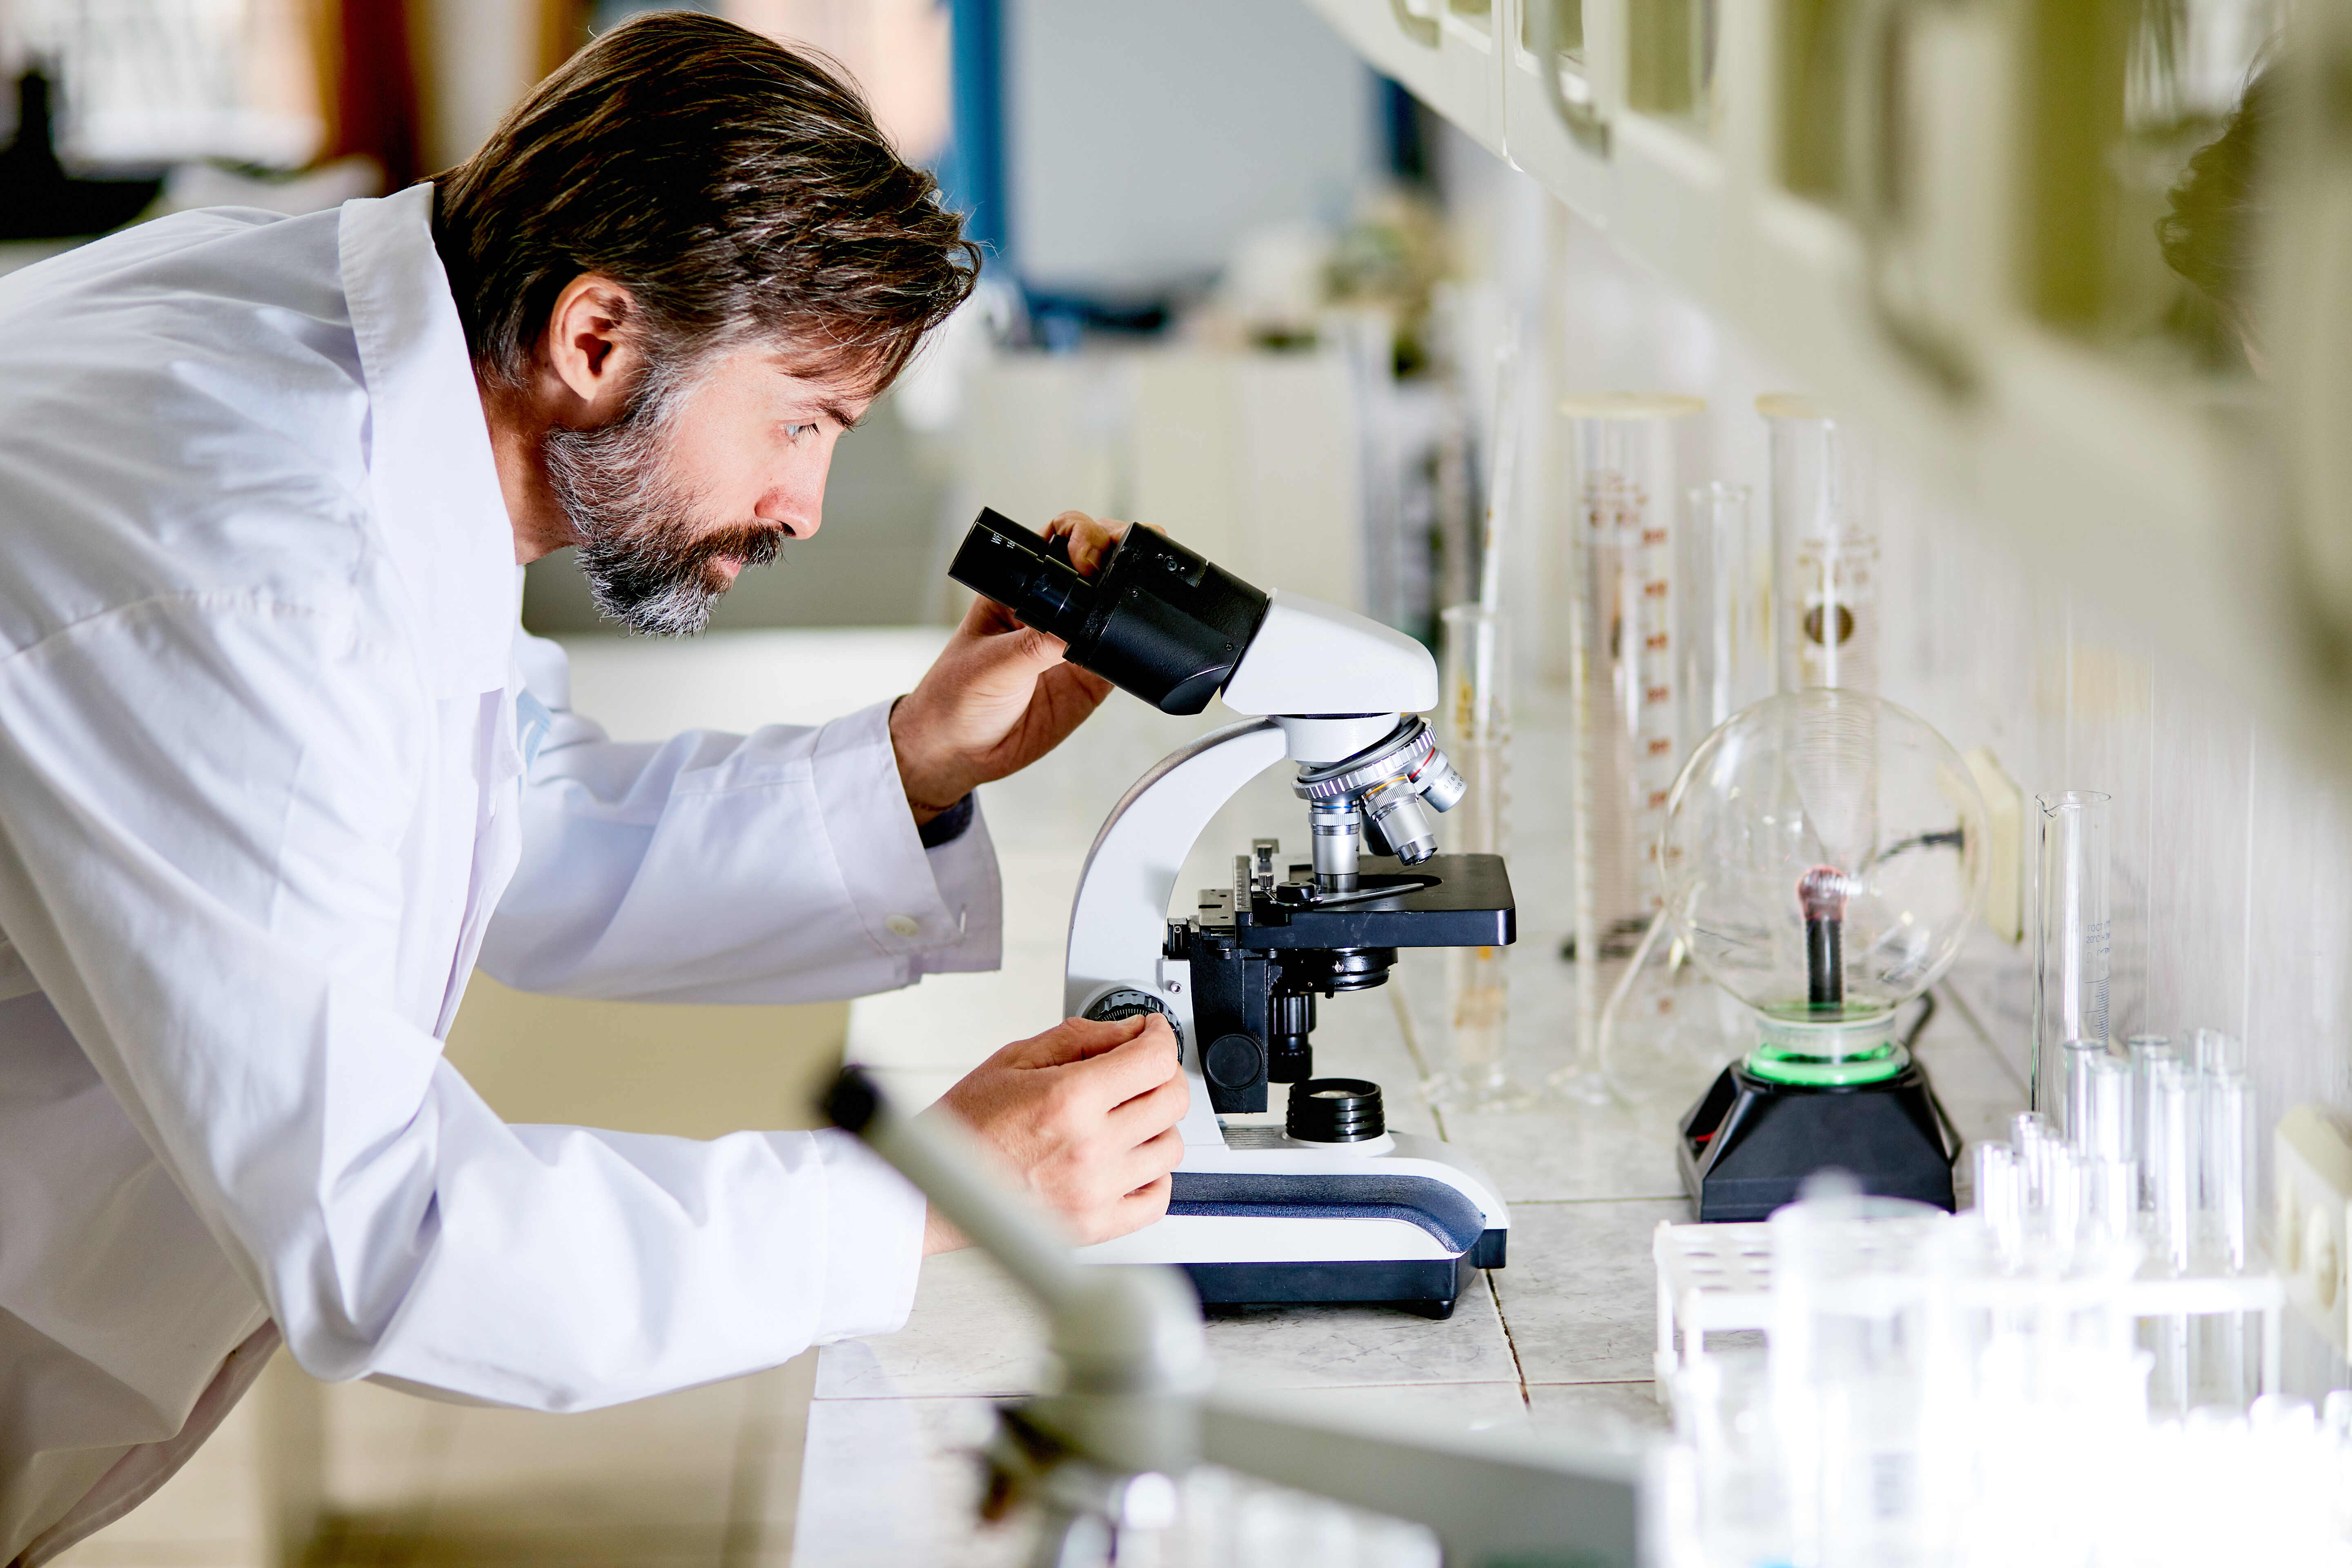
837	412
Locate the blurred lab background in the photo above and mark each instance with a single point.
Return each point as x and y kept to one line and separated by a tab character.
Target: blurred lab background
1241	287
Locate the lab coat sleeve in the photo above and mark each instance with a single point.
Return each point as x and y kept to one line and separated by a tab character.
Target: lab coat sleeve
782	865
204	806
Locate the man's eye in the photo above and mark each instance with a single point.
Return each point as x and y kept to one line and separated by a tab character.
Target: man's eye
799	432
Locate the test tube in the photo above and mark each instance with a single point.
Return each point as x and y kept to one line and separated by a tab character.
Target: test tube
2111	1197
2172	1164
1824	547
1475	725
2102	1137
2001	1198
2064	1201
2081	1059
2227	1167
2070	935
2142	1054
2029	1134
1727	657
2099	1106
2215	1052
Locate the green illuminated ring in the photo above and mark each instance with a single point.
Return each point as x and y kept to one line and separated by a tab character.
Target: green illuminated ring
1878	1066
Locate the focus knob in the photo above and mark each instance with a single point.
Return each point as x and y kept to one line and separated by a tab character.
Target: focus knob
1128	1003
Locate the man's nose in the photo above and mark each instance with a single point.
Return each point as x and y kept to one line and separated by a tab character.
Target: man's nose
798	500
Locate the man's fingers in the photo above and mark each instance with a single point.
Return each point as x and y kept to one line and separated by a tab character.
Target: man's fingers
1151	1160
1138	1208
1153	1111
1090	539
1138	1065
1008	654
1073	1040
985	618
1143	1023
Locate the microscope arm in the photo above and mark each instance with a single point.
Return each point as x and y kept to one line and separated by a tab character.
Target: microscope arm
1119	922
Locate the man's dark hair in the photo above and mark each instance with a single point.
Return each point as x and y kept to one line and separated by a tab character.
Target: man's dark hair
738	189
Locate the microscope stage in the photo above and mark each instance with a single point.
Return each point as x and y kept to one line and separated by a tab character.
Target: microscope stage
1447	900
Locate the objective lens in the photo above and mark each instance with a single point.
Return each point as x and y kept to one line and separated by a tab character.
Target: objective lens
1338	839
1395	811
1438	781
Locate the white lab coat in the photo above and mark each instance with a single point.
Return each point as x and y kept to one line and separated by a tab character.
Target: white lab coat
262	791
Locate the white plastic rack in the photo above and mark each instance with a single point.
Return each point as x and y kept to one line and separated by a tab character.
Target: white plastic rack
1718	1278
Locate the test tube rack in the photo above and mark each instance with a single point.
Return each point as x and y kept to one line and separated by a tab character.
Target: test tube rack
1718	1278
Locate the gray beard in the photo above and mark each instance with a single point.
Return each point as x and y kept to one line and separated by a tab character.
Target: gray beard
648	553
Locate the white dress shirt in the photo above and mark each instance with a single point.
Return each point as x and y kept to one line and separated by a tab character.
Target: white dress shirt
264	805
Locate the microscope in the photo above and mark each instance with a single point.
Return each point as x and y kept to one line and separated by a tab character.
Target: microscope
1330	1205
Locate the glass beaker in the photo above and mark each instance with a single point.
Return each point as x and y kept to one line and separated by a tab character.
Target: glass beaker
1824	547
1623	483
1475	725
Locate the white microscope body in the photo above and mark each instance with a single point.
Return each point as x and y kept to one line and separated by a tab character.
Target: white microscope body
1330	1206
1328	685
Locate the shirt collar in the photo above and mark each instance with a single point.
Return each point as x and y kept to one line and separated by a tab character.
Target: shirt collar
436	484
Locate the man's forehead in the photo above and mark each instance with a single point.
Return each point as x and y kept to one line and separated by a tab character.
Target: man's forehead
835	384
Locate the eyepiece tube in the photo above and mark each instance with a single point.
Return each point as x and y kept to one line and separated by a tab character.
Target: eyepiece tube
1031	577
1156	620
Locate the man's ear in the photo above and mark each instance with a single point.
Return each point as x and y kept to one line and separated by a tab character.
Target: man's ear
587	349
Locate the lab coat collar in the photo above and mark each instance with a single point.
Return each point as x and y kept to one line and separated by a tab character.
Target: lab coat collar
435	482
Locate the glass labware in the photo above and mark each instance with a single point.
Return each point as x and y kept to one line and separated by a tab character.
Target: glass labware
1624	487
1476	729
1850	1305
2072	940
1823	858
1825	546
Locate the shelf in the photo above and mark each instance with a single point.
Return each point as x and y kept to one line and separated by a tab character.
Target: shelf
2150	489
1442	51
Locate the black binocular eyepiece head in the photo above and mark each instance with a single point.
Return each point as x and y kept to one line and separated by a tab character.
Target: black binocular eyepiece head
1156	620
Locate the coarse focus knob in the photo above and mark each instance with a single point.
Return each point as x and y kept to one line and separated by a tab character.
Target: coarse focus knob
1128	1003
1335	1111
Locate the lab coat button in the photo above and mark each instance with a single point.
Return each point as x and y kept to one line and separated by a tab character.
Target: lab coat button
904	925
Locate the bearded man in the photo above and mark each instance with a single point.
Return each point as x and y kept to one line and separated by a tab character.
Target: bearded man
278	769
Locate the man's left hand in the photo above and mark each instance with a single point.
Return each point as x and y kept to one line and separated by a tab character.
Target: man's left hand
999	697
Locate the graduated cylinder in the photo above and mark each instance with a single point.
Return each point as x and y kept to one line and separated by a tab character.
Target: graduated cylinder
1624	486
1825	546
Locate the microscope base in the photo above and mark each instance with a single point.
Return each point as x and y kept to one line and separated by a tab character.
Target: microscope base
1269	1220
1427	1286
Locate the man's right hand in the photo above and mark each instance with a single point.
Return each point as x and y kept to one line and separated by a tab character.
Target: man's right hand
1084	1118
